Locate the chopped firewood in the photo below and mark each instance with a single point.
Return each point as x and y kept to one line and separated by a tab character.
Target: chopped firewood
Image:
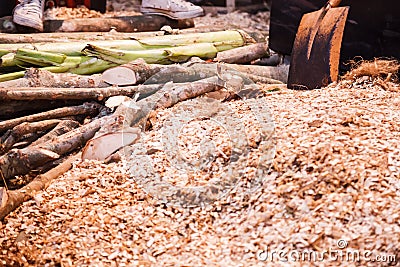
86	108
48	93
242	55
37	155
10	200
11	109
279	73
138	71
102	147
135	72
42	78
12	136
49	37
64	126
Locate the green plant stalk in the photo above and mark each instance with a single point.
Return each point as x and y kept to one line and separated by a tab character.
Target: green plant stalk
69	63
72	48
184	53
92	66
121	57
11	76
41	56
232	37
32	57
78	65
8	60
4	52
160	56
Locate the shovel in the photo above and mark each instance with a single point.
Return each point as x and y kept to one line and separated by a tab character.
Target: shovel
316	49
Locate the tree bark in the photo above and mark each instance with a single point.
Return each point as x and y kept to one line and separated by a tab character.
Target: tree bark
142	23
279	73
15	108
243	55
87	108
13	199
14	135
63	127
45	93
42	78
139	71
22	161
56	37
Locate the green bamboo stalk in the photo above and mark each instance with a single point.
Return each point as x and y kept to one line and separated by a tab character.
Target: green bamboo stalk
4	52
221	39
8	60
121	57
92	66
11	76
25	57
78	65
184	53
160	56
40	56
232	38
69	63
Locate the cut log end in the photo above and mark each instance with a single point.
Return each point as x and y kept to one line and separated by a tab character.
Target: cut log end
121	76
102	147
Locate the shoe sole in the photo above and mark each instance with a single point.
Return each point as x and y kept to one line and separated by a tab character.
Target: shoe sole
28	23
172	15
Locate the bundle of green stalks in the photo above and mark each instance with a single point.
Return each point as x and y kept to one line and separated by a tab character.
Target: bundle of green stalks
84	58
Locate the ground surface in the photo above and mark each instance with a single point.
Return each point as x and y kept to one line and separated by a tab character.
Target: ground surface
334	183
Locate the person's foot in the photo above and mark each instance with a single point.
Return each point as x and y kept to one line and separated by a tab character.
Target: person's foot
29	13
175	9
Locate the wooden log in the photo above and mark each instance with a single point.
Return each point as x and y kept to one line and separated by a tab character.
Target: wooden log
50	37
87	108
35	156
63	127
243	55
15	108
10	200
35	77
138	71
279	73
46	93
132	73
261	79
121	24
14	135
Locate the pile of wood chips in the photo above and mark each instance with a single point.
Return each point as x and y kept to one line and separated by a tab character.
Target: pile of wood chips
71	13
335	177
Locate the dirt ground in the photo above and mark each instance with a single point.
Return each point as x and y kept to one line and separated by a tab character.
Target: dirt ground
333	186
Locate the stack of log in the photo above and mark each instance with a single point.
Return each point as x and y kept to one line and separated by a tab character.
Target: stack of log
48	120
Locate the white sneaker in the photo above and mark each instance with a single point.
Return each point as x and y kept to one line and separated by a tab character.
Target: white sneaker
29	13
175	9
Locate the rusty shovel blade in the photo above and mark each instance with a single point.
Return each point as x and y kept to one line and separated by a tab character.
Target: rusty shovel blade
316	51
